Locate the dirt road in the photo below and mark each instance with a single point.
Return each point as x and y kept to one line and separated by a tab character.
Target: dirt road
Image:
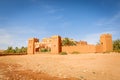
61	67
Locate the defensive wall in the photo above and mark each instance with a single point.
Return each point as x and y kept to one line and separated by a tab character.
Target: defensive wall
54	44
83	48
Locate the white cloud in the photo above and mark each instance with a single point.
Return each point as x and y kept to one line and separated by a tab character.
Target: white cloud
18	36
5	37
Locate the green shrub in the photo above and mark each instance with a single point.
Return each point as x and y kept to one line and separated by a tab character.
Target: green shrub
116	45
9	50
43	50
16	50
63	53
75	52
118	51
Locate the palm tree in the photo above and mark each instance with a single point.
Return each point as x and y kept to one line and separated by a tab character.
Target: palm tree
68	42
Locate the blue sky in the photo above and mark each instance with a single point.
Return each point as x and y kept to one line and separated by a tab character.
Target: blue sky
77	19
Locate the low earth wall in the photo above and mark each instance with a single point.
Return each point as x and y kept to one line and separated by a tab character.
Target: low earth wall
79	48
99	48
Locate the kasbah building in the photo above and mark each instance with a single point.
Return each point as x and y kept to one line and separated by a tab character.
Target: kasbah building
54	44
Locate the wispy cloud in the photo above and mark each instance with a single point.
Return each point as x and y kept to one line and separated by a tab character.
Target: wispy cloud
17	36
50	9
109	21
20	30
58	17
110	25
66	24
5	37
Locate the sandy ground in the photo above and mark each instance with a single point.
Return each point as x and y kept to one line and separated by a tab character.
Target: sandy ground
61	67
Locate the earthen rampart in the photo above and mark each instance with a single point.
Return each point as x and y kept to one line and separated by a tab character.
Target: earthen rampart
54	45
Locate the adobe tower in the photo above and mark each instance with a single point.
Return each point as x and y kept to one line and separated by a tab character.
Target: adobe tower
56	44
31	45
106	42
